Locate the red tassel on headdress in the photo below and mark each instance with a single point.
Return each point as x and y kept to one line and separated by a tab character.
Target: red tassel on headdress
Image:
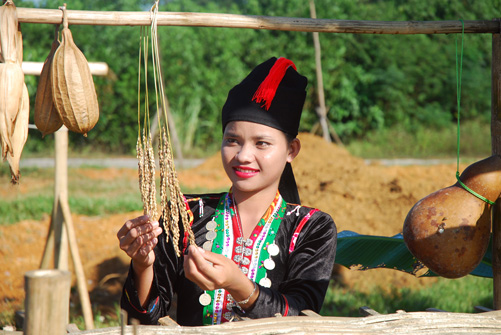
266	91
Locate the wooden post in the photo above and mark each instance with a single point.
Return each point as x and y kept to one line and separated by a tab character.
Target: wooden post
47	302
56	247
121	18
321	110
496	150
60	189
61	227
61	233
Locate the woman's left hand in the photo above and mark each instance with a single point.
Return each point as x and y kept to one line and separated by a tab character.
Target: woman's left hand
211	271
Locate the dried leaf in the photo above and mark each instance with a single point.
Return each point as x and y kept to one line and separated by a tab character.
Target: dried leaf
19	47
8	31
11	93
19	136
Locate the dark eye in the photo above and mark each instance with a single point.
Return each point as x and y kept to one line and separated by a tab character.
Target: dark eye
262	144
230	140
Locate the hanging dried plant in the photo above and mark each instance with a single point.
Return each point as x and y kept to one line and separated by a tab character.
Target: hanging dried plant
171	198
19	136
11	76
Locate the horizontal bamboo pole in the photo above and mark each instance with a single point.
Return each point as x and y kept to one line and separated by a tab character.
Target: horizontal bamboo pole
80	17
35	68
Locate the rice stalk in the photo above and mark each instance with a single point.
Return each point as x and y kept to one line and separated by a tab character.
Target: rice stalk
172	201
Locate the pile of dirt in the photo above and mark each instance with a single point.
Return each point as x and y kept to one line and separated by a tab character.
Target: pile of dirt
368	199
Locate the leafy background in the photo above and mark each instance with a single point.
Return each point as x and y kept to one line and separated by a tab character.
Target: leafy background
386	95
373	83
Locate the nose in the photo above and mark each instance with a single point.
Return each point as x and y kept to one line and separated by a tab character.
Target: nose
244	155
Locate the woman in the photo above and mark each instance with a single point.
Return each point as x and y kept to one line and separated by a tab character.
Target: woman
258	251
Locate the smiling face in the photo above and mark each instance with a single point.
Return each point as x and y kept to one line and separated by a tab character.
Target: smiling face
254	156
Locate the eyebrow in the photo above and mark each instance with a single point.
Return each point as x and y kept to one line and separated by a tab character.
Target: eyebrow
255	137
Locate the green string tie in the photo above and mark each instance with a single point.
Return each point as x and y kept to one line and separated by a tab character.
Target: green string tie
459	71
471	191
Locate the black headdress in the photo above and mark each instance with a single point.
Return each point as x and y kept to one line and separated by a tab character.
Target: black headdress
273	94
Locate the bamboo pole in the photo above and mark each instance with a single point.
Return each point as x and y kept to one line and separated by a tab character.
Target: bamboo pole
80	17
83	293
321	110
61	231
496	150
47	302
60	186
35	68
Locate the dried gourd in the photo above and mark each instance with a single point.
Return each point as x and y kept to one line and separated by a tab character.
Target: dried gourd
47	118
449	230
19	136
73	88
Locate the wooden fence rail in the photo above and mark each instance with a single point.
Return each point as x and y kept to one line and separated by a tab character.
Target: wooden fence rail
80	17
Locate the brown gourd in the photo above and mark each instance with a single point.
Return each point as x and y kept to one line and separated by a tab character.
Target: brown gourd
73	90
449	230
47	118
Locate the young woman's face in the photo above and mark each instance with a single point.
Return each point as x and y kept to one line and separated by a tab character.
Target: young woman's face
254	155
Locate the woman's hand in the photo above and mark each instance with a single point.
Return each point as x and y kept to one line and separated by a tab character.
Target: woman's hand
213	271
137	238
222	273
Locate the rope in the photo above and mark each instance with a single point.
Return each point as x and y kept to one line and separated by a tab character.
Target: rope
459	72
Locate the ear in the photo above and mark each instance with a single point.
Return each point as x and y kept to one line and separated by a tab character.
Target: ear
294	148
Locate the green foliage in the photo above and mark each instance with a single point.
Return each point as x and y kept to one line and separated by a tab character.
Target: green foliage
452	295
425	142
372	82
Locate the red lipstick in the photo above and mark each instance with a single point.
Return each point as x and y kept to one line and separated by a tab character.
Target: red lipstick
245	172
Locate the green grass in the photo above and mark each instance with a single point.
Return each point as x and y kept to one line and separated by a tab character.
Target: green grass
452	295
100	320
475	141
86	196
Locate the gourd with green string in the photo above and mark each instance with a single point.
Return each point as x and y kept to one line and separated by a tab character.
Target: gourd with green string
449	230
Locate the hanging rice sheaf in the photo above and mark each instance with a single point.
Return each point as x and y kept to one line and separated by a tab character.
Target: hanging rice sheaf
73	88
173	208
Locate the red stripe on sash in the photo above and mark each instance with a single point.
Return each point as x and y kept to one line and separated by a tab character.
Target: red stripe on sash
286	306
298	229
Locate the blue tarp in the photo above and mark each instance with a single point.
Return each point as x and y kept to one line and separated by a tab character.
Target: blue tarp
365	252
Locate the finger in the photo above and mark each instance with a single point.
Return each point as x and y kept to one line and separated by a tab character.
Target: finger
148	247
128	225
209	256
142	241
194	271
140	230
